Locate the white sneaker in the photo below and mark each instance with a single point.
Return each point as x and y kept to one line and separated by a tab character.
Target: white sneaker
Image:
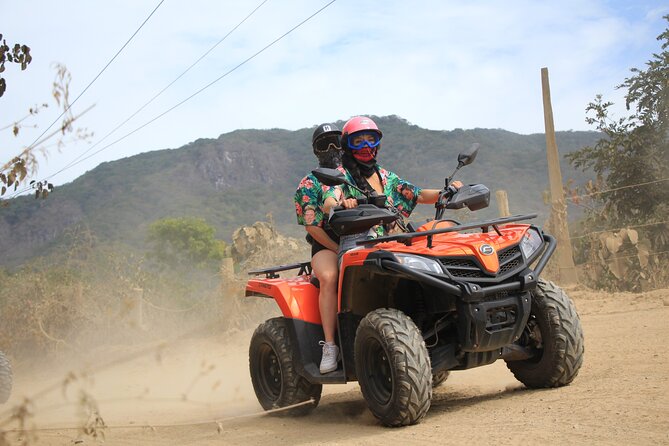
330	357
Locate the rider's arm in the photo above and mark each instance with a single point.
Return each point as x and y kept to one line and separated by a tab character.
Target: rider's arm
335	197
322	237
330	202
430	196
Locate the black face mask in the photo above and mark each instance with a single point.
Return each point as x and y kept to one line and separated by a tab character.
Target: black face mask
368	168
330	158
328	151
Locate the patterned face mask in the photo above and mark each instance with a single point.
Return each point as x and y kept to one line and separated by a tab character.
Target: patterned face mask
365	155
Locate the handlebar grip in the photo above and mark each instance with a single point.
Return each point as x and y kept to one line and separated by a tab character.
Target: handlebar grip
361	200
337	208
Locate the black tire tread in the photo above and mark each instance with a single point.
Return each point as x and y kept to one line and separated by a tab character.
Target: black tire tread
295	388
563	350
409	358
439	378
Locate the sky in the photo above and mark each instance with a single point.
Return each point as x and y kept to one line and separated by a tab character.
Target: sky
440	64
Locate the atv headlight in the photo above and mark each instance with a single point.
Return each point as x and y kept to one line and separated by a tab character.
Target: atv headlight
418	262
531	243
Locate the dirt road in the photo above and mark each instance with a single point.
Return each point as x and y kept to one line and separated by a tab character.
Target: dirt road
197	391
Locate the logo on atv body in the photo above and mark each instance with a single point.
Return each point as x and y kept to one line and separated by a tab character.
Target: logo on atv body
486	250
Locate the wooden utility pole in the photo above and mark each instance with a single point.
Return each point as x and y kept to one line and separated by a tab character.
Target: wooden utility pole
558	218
502	203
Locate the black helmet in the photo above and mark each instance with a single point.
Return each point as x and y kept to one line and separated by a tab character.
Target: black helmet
325	130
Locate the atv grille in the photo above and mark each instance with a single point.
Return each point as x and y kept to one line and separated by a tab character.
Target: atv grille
510	259
462	268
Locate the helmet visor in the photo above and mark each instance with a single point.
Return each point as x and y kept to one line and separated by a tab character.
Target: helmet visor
359	140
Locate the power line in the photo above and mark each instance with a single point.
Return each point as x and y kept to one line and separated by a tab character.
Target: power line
203	88
594	262
191	96
626	227
161	91
98	75
575	197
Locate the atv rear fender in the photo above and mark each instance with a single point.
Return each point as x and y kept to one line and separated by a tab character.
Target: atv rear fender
297	297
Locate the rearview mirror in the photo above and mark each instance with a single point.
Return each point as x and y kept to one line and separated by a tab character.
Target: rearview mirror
469	155
329	177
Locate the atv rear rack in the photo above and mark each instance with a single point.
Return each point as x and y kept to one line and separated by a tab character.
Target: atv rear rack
485	226
271	273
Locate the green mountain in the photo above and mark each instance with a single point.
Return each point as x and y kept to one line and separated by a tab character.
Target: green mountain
242	176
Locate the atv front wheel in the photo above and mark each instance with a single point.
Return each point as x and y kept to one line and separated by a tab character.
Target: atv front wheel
5	378
439	378
393	367
554	335
275	381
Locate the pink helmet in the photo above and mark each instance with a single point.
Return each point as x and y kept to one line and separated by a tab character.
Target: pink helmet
358	124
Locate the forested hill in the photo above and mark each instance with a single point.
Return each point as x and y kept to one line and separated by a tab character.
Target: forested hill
242	176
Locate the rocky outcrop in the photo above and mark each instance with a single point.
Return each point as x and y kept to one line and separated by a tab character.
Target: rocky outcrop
260	245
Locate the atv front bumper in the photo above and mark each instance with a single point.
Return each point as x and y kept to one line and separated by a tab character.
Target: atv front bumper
526	280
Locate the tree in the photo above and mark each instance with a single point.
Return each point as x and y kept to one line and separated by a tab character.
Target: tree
184	241
15	171
19	54
634	150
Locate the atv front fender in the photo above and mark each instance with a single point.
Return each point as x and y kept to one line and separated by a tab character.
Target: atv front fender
297	297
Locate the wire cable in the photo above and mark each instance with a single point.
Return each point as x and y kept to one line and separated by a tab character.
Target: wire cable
163	90
244	62
576	197
618	229
31	146
209	84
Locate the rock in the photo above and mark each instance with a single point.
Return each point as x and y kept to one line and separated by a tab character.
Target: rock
261	245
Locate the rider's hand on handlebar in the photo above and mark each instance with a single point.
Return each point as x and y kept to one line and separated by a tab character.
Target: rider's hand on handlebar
349	203
453	188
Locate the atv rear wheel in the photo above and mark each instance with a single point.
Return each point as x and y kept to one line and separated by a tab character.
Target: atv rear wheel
553	333
275	381
393	367
439	378
5	378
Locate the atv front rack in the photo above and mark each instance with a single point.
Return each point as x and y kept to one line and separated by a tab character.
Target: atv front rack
485	226
271	273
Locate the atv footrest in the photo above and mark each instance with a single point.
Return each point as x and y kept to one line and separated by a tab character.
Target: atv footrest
336	377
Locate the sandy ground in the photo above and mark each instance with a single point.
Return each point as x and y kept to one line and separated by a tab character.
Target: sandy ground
197	391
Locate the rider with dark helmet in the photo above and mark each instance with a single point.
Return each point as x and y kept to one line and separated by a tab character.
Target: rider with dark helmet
309	198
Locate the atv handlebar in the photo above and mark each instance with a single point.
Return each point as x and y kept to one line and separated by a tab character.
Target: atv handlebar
446	193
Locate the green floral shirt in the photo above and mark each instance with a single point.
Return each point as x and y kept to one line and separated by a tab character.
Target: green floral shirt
400	193
309	198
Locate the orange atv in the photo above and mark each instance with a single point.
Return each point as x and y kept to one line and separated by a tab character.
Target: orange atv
415	305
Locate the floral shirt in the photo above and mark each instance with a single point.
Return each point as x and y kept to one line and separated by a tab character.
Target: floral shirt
309	198
400	193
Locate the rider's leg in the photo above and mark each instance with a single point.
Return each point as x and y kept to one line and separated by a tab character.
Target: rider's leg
324	264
